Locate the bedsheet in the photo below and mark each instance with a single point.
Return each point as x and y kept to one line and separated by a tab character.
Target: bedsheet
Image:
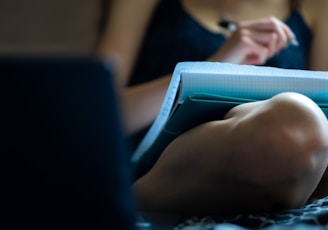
313	215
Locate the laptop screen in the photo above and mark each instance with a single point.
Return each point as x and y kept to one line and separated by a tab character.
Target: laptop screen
65	162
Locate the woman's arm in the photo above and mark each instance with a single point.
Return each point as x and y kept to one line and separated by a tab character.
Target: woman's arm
126	24
124	32
142	103
317	12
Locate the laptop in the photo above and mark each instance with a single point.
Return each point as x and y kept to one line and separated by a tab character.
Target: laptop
64	159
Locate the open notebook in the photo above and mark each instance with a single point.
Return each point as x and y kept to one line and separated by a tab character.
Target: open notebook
205	91
65	165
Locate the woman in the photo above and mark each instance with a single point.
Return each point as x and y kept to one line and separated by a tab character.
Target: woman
230	165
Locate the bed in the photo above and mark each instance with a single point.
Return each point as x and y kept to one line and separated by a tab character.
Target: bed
313	215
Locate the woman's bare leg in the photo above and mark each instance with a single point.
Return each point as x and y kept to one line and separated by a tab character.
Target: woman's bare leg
262	156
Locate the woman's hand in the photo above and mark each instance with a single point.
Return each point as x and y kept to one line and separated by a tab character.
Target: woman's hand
254	42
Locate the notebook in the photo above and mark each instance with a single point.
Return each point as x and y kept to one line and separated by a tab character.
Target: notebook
65	163
205	91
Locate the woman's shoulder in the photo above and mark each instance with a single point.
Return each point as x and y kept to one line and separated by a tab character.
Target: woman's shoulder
313	10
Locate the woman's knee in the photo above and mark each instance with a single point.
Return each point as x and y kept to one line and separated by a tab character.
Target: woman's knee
300	121
281	141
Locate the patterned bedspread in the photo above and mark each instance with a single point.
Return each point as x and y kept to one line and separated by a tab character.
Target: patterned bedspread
312	216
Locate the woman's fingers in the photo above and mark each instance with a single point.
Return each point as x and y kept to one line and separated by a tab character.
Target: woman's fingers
255	41
269	40
242	49
253	53
270	25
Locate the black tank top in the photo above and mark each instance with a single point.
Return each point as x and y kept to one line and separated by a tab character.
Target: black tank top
174	36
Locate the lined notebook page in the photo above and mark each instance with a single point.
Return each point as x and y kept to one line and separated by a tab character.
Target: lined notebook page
251	82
